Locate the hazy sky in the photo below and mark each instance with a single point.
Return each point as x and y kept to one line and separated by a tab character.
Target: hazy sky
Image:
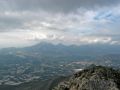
26	22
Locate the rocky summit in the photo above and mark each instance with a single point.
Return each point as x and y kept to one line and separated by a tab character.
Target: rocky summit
92	78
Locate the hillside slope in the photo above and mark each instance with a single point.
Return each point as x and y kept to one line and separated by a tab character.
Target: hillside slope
35	85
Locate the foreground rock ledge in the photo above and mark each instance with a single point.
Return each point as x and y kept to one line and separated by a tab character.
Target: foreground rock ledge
92	78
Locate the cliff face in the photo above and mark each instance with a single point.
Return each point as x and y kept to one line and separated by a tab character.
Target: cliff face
94	78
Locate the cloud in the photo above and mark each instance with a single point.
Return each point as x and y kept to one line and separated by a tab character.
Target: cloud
55	5
59	21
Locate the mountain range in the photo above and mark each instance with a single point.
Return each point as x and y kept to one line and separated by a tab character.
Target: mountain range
47	64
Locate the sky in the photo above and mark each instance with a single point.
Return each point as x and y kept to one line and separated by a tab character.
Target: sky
78	22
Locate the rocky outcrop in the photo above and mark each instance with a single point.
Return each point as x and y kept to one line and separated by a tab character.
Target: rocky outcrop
93	78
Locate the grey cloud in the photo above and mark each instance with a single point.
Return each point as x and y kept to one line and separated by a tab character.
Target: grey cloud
35	6
50	17
55	5
7	24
